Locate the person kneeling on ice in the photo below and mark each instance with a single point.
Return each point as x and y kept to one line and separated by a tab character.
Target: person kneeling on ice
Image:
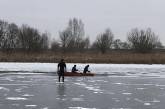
74	70
61	70
86	69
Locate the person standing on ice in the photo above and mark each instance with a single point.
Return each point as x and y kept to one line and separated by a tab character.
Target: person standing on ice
61	70
86	69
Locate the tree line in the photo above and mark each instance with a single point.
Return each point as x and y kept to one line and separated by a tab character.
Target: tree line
23	38
73	39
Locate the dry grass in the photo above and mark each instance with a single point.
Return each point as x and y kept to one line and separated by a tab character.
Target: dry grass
112	57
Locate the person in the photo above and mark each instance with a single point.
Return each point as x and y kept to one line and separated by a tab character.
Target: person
86	69
74	70
61	70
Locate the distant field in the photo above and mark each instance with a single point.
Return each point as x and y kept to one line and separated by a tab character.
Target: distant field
111	57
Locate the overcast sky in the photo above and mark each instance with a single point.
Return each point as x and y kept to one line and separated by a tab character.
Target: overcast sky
119	15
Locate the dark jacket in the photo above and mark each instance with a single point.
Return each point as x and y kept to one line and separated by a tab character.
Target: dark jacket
61	67
86	69
74	69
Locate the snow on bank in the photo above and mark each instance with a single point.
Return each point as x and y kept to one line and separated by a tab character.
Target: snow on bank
113	69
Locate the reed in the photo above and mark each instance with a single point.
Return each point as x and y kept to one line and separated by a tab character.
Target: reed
86	57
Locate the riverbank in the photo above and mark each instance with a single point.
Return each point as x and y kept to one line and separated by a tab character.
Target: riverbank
116	57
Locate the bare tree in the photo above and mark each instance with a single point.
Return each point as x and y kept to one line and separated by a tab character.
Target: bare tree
76	27
84	44
44	41
104	41
142	40
125	45
73	36
8	36
3	33
26	38
30	38
118	44
55	46
12	38
159	45
66	39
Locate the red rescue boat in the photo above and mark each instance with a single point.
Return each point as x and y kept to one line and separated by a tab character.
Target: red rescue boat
78	74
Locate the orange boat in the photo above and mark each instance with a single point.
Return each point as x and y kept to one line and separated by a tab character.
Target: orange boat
78	74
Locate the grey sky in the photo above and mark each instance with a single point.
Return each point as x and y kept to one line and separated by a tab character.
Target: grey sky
119	15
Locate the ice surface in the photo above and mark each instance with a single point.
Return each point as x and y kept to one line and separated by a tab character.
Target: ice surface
4	89
80	108
116	86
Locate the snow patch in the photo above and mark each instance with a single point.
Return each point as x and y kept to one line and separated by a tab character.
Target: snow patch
30	105
147	104
27	95
126	93
16	98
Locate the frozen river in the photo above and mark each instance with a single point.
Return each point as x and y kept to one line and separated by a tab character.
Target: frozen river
116	86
